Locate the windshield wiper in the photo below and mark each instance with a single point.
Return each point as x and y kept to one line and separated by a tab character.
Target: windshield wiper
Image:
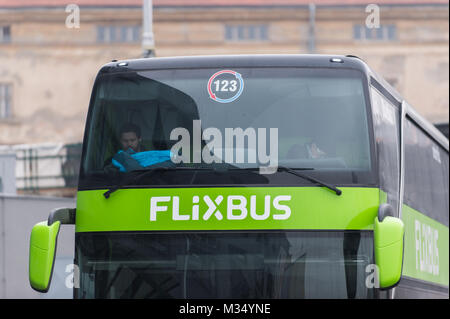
294	171
311	179
143	172
138	174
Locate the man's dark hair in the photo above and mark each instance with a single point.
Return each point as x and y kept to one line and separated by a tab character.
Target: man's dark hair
130	127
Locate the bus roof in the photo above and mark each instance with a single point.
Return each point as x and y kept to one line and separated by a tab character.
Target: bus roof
274	60
258	60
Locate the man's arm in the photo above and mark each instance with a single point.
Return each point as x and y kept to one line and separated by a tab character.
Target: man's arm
125	162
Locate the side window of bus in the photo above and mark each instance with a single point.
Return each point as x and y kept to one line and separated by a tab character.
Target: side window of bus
426	174
386	128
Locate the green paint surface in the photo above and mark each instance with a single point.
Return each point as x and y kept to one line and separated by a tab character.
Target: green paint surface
310	208
388	249
426	248
42	254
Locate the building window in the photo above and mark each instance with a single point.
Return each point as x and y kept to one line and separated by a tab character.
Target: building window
256	32
5	34
387	32
118	34
5	101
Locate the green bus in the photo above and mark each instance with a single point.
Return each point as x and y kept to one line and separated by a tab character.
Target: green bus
253	176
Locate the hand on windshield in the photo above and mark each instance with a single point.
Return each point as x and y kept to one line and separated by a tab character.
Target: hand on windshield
315	151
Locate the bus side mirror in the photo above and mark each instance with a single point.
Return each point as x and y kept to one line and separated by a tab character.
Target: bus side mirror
42	254
43	247
388	242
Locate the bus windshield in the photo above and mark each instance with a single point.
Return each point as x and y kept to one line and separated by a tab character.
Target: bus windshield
226	126
297	264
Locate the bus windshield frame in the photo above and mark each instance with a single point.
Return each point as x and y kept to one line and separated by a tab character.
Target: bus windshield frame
221	175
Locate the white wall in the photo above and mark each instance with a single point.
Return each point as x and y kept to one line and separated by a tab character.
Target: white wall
18	214
7	173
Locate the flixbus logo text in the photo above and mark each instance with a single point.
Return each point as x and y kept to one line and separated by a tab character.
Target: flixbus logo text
232	207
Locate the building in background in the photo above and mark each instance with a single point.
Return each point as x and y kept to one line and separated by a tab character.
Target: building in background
47	68
7	173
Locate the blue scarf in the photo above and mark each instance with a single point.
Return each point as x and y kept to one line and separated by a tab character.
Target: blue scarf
144	159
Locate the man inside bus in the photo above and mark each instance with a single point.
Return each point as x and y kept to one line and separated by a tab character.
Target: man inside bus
133	155
131	138
131	143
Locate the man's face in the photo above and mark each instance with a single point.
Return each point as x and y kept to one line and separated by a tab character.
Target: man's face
130	140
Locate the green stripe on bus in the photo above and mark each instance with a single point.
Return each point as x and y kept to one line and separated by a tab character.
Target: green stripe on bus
426	248
227	208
